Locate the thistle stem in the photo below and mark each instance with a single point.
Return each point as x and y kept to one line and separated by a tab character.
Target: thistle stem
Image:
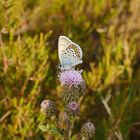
70	129
67	131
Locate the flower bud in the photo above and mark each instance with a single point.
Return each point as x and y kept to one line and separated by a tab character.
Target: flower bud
72	109
48	108
87	130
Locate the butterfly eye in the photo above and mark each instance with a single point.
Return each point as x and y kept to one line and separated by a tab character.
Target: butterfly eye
59	65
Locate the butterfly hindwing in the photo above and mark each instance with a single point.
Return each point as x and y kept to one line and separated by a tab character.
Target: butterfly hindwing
73	47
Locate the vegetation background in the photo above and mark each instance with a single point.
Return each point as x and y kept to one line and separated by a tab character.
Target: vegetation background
108	32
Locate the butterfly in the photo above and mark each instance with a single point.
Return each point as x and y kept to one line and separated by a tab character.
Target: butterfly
70	53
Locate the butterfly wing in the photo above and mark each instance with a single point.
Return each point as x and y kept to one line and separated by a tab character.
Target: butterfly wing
77	50
63	42
70	54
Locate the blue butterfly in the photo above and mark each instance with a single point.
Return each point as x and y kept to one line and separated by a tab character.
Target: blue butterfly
70	54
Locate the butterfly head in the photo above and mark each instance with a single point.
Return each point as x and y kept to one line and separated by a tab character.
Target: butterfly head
65	67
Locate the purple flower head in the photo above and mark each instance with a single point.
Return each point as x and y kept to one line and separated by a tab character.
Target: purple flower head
88	130
71	78
72	109
48	108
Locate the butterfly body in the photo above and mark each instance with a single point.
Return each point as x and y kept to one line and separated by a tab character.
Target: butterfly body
70	54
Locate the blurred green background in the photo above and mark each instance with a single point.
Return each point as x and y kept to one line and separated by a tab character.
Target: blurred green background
108	32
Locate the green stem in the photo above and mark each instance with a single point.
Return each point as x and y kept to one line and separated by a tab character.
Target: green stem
67	131
70	129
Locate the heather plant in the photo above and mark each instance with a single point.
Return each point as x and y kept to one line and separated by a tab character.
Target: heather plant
108	32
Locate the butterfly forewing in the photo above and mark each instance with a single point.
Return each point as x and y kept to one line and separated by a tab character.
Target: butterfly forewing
63	42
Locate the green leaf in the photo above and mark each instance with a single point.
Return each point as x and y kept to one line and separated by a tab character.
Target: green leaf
44	128
50	129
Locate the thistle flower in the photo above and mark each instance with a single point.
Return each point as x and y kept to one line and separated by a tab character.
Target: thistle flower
48	108
87	130
71	78
72	109
73	85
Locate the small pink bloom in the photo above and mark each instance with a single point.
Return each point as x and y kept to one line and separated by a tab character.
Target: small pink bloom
71	77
